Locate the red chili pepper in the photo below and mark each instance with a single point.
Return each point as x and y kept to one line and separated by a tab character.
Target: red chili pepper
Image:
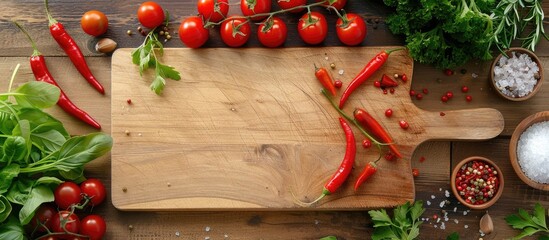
345	167
67	43
366	173
325	79
371	125
365	73
41	73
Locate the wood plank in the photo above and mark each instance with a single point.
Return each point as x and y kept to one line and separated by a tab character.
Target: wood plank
261	128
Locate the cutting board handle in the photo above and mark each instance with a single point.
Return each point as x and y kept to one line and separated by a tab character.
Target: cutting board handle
466	124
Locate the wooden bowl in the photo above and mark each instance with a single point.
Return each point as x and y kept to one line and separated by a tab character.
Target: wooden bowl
461	199
537	87
513	144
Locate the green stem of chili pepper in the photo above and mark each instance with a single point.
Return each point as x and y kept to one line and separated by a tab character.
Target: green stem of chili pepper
368	70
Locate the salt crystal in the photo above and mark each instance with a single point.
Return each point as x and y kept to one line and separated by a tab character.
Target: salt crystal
207	229
432	196
533	153
442	204
455	209
446	193
438	220
440	189
436	226
464	213
428	203
456	221
442	226
515	76
466	226
341	71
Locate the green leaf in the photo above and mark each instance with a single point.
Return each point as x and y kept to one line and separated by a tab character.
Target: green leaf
42	122
37	94
417	210
517	222
380	217
414	230
52	182
7	174
168	72
329	238
14	149
23	129
400	215
38	195
78	151
545	237
49	141
539	216
19	190
12	230
528	231
381	233
526	217
5	208
75	174
136	55
453	236
158	85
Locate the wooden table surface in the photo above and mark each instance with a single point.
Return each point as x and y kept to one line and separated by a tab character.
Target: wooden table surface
431	185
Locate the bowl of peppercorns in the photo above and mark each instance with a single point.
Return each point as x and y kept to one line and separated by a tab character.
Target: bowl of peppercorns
477	182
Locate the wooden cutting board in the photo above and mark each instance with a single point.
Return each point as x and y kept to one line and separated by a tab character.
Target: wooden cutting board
248	129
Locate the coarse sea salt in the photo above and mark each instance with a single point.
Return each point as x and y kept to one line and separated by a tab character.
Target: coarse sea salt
516	76
533	153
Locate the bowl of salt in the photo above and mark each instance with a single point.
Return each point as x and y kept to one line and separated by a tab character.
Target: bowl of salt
529	151
517	76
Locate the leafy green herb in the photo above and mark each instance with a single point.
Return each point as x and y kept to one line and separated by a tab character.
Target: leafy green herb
453	236
37	154
145	56
530	224
404	225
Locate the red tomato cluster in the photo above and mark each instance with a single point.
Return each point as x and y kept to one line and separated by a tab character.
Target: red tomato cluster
235	31
67	196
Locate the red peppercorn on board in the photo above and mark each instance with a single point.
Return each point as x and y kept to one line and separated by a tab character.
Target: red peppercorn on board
248	129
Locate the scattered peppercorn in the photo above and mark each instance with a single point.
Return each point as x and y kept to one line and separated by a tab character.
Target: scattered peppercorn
366	143
425	91
389	112
129	101
332	66
396	75
444	98
404	77
338	83
412	92
448	72
449	94
422	159
129	32
468	98
377	84
415	172
419	96
403	124
442	114
392	90
384	91
464	89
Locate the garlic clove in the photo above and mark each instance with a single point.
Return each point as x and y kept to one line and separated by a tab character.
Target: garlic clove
105	45
486	224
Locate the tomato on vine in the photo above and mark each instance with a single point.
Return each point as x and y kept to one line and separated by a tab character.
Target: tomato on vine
312	28
287	4
272	32
252	7
93	226
192	32
338	4
150	14
94	189
71	221
42	218
351	29
236	31
213	10
67	194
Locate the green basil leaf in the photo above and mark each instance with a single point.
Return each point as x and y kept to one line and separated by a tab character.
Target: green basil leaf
76	174
38	195
49	141
48	181
14	149
7	122
7	174
78	151
37	94
23	129
41	121
12	230
5	208
19	191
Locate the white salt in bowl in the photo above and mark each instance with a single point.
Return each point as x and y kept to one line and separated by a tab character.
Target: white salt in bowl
510	77
528	150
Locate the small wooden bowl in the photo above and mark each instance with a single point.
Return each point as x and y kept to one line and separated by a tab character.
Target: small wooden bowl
537	87
513	144
456	192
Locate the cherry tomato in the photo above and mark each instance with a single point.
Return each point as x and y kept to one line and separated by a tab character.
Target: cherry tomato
72	222
94	189
43	215
312	28
192	32
287	4
252	7
150	14
275	35
213	10
235	32
94	23
351	29
67	194
93	226
338	4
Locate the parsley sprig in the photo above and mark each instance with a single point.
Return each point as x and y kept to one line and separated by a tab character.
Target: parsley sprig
404	224
530	224
146	56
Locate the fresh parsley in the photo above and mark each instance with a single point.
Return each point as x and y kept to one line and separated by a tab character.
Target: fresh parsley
529	224
403	226
146	56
